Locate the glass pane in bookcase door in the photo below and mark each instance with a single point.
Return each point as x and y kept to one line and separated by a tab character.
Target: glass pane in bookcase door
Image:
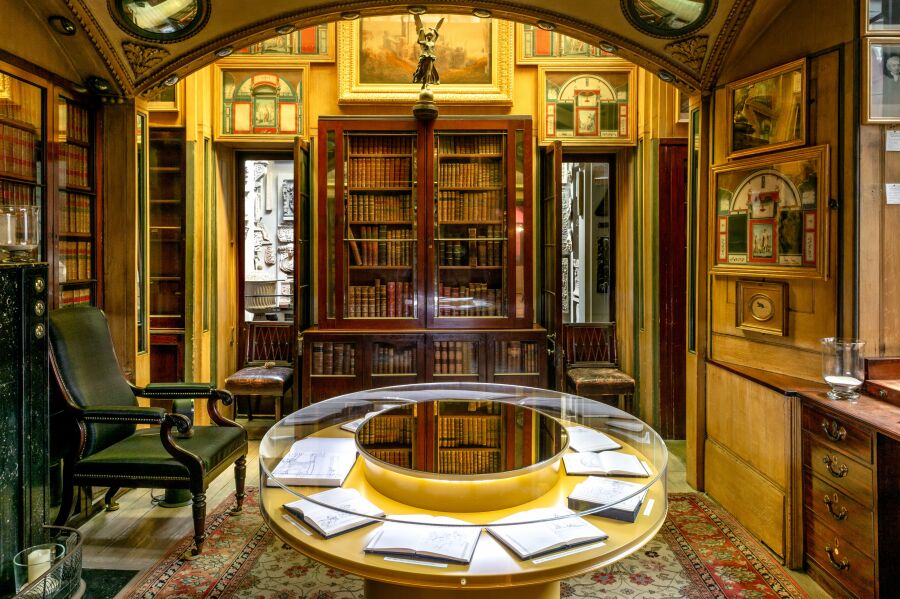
21	150
455	358
394	359
518	242
515	357
334	358
330	182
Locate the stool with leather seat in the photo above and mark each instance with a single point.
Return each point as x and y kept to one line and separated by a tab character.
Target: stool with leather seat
110	451
268	365
591	364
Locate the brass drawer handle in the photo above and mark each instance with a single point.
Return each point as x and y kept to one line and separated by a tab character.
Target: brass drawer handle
835	432
841	514
831	462
844	564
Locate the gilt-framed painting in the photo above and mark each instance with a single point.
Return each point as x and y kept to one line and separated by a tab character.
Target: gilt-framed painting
767	111
256	100
539	46
881	88
771	215
587	106
311	44
378	55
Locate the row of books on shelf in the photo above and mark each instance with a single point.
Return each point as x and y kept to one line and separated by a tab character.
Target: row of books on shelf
16	193
388	359
470	174
468	431
77	259
374	206
381	144
516	356
18	149
74	213
470	206
381	245
73	297
74	170
470	144
329	357
77	124
471	253
474	299
397	457
386	430
476	461
380	172
391	300
455	357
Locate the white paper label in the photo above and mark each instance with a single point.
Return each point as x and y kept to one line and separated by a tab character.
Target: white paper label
892	140
892	193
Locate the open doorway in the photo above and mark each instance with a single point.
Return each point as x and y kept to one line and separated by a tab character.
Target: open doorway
588	239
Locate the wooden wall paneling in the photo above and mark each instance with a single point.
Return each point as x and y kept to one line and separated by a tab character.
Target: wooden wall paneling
889	262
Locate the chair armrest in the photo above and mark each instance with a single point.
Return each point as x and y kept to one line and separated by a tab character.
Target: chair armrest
123	414
174	390
213	408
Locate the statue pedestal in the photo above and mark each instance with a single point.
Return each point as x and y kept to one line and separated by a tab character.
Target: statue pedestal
425	109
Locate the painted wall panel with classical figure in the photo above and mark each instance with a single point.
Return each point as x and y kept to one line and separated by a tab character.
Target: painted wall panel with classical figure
256	101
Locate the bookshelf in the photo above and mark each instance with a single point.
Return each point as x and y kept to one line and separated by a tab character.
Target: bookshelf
167	253
77	206
394	437
471	437
424	245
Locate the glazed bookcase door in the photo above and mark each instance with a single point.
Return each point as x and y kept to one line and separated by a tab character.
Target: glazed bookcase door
481	221
396	359
335	366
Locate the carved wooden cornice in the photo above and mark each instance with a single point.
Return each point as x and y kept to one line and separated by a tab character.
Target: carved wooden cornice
142	57
690	51
740	10
102	43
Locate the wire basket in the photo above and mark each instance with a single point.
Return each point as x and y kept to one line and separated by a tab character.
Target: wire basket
63	579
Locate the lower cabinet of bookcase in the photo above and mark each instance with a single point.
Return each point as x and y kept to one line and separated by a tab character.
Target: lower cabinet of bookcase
338	362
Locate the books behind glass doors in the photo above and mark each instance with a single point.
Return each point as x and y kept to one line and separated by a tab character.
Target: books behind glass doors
329	522
607	463
532	539
582	438
316	462
595	492
441	543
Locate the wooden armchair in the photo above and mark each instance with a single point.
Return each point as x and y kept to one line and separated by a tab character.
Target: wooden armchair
268	365
110	451
591	364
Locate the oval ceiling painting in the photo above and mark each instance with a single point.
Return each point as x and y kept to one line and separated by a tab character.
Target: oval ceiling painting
161	20
668	18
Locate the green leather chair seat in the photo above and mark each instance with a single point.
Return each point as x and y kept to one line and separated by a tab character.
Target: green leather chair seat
143	455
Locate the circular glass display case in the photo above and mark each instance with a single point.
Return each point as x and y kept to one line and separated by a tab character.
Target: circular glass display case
162	20
667	18
451	462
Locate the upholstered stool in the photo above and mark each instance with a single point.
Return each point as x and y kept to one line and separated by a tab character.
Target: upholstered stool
267	380
599	383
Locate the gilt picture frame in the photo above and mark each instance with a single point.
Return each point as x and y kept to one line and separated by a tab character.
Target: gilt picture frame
771	216
475	60
314	44
259	100
539	46
767	111
881	80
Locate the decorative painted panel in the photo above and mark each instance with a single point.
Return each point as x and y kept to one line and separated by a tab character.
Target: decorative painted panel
583	106
535	45
259	99
312	44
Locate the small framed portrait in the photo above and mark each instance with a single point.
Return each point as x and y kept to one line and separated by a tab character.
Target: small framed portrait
767	111
880	16
881	91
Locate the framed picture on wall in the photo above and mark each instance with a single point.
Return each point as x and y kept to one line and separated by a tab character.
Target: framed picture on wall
682	107
285	199
535	46
378	55
587	106
258	99
767	111
880	16
311	44
881	71
771	215
167	100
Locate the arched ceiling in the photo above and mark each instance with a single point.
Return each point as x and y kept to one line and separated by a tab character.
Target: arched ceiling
139	67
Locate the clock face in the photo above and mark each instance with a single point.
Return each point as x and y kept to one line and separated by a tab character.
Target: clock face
762	308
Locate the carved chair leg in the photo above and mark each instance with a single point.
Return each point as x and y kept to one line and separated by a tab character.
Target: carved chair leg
109	500
240	474
68	495
199	508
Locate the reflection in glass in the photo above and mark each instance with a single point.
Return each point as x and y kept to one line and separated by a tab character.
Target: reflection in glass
141	159
668	15
161	17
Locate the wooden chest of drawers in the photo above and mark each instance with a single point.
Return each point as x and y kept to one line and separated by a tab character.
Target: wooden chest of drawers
850	492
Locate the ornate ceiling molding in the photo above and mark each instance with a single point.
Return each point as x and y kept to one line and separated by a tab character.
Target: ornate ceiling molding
102	43
725	40
690	51
142	57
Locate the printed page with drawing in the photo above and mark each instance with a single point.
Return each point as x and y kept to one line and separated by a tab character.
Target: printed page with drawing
330	522
444	543
316	461
537	538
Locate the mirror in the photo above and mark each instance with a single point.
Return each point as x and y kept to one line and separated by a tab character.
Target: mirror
668	18
161	20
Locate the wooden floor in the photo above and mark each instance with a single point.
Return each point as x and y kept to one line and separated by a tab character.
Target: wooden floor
140	533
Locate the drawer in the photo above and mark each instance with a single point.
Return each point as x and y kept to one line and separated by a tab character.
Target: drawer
853	570
827	428
848	518
838	470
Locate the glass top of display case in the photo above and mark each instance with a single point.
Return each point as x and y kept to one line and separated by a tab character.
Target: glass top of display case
482	454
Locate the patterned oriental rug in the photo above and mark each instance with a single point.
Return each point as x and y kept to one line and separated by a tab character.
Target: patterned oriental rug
699	553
